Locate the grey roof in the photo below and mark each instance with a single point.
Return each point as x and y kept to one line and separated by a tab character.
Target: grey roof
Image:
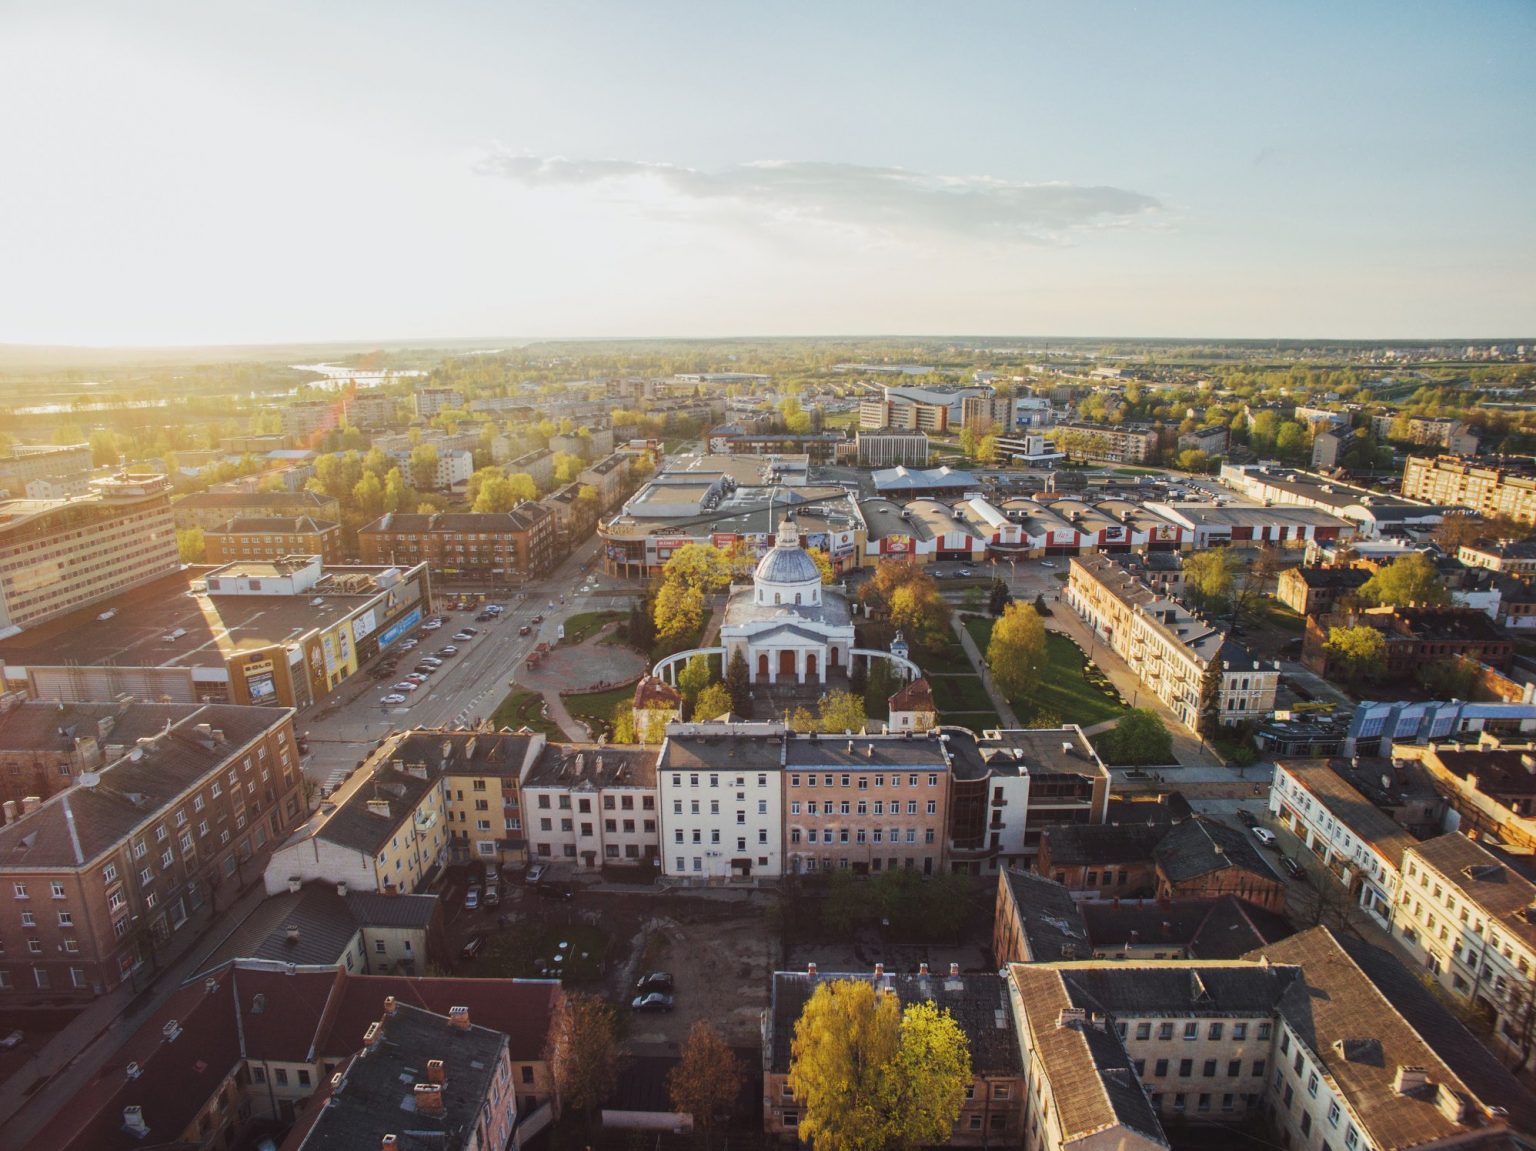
354	826
76	826
979	1004
1052	925
1346	804
589	766
832	611
787	565
465	752
520	518
1089	844
870	752
378	1100
1232	923
1181	988
1198	847
726	751
306	500
273	525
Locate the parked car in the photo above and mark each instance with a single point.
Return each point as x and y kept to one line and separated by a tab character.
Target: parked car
965	572
555	891
525	630
492	897
446	652
432	625
655	981
1264	836
418	677
462	636
408	644
536	873
1247	818
472	947
405	685
12	1040
1292	868
1046	564
655	1001
469	631
472	899
394	697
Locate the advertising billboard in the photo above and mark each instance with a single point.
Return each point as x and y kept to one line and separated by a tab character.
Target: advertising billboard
896	544
363	625
400	627
260	683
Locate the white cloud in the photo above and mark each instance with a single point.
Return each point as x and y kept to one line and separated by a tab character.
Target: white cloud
891	203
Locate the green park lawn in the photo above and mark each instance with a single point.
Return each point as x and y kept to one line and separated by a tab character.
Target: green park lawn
596	708
526	952
524	708
585	624
1065	690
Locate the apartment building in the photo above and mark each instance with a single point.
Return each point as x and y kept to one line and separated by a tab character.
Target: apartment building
1035	920
428	402
212	510
370	409
886	448
1210	440
1464	913
575	518
594	806
989	1113
1506	488
720	793
1415	636
96	881
866	804
539	466
1509	557
254	1045
1105	861
1359	846
481	772
304	423
1314	590
62	470
904	414
1426	431
1188	664
385	831
1490	786
272	539
1312	1032
987	411
60	555
496	546
1105	443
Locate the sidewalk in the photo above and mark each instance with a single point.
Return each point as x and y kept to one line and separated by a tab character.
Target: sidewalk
66	1065
1004	712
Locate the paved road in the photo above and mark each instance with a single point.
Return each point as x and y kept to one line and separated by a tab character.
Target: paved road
468	686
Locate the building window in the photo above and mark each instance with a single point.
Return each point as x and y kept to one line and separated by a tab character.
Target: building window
1191	1030
1186	1068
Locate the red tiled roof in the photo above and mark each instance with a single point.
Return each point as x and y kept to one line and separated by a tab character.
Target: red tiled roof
284	1024
521	1009
175	1080
652	689
916	696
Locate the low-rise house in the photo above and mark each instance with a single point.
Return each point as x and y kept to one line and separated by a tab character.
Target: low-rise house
1035	921
1204	859
1105	861
1312	590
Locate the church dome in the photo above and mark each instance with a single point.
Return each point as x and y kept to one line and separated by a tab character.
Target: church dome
787	565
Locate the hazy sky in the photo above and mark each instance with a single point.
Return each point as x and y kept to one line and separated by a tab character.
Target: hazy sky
240	172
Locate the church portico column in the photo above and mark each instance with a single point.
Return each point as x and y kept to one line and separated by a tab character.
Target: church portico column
800	667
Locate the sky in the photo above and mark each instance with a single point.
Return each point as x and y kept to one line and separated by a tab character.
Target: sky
196	173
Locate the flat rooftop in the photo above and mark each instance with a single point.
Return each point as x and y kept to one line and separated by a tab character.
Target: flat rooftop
214	627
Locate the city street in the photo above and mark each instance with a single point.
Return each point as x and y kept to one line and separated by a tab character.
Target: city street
469	685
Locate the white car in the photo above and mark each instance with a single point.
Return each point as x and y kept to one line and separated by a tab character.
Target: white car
408	644
1264	835
432	625
394	697
1046	564
404	685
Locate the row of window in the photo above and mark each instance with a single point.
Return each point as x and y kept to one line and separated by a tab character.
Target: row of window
862	807
1208	1070
1215	1029
874	835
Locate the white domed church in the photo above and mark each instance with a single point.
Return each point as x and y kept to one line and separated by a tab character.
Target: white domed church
787	625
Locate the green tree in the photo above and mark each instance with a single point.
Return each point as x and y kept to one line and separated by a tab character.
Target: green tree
1357	653
424	466
398	496
823	564
841	711
105	452
567	467
1208	579
679	610
694	678
583	1052
1016	651
703	566
713	702
497	494
190	544
1139	737
880	684
368	496
623	722
707	1080
872	1077
1193	460
738	682
998	597
1412	579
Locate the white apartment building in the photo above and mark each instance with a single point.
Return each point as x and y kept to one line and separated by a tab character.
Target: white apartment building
1464	913
592	806
1170	649
1358	844
720	794
430	401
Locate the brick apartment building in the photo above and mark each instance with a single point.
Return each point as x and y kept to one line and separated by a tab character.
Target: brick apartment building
272	539
97	882
1415	636
518	544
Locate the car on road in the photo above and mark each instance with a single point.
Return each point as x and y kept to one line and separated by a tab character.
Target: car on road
393	697
472	947
445	652
405	685
1046	564
463	636
1292	868
655	981
472	899
492	897
485	617
408	645
655	1001
525	630
12	1040
538	619
1264	836
432	625
419	676
965	572
535	873
555	891
1247	818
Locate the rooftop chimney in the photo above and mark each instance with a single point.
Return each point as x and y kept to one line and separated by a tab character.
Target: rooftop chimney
389	1005
372	1036
1071	1015
1407	1080
459	1017
954	969
133	1122
30	803
388	1143
429	1099
171	1030
10	808
869	751
922	969
295	884
293	933
879	970
850	750
810	969
436	1072
341	889
133	1071
379	807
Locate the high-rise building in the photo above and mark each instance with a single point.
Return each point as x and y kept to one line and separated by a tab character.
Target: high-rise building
1506	489
59	555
